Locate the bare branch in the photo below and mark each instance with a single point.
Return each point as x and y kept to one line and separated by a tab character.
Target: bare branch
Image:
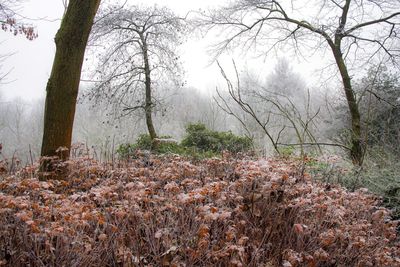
372	22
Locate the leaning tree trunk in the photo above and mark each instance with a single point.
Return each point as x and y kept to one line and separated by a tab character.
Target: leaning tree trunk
148	107
356	149
62	87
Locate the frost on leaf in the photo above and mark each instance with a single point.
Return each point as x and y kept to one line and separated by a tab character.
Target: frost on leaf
177	213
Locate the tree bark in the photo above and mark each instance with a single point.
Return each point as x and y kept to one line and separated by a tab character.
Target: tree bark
63	84
356	148
148	108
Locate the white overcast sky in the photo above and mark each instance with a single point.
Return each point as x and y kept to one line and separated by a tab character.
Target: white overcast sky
31	62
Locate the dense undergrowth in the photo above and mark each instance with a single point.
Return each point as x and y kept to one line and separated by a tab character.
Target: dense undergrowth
380	173
168	211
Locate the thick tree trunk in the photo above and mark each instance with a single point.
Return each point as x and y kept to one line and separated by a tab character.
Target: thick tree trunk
62	87
148	108
356	149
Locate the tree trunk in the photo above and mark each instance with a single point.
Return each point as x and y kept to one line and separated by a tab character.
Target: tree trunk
62	87
148	108
356	149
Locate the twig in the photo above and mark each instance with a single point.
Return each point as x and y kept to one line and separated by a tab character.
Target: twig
316	144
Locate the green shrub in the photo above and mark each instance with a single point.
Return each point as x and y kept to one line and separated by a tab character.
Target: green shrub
126	150
234	143
287	151
144	142
198	136
168	148
199	142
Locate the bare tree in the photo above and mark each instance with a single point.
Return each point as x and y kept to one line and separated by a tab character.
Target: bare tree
21	128
279	115
140	55
15	120
4	73
381	104
235	93
2	112
283	80
353	31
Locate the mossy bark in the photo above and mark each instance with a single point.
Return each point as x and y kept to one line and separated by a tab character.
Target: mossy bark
356	148
63	84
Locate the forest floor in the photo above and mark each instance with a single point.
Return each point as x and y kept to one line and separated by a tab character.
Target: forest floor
170	211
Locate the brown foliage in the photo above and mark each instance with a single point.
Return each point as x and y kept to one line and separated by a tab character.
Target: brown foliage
11	25
167	211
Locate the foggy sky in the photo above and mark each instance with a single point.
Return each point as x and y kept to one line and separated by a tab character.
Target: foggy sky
31	62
